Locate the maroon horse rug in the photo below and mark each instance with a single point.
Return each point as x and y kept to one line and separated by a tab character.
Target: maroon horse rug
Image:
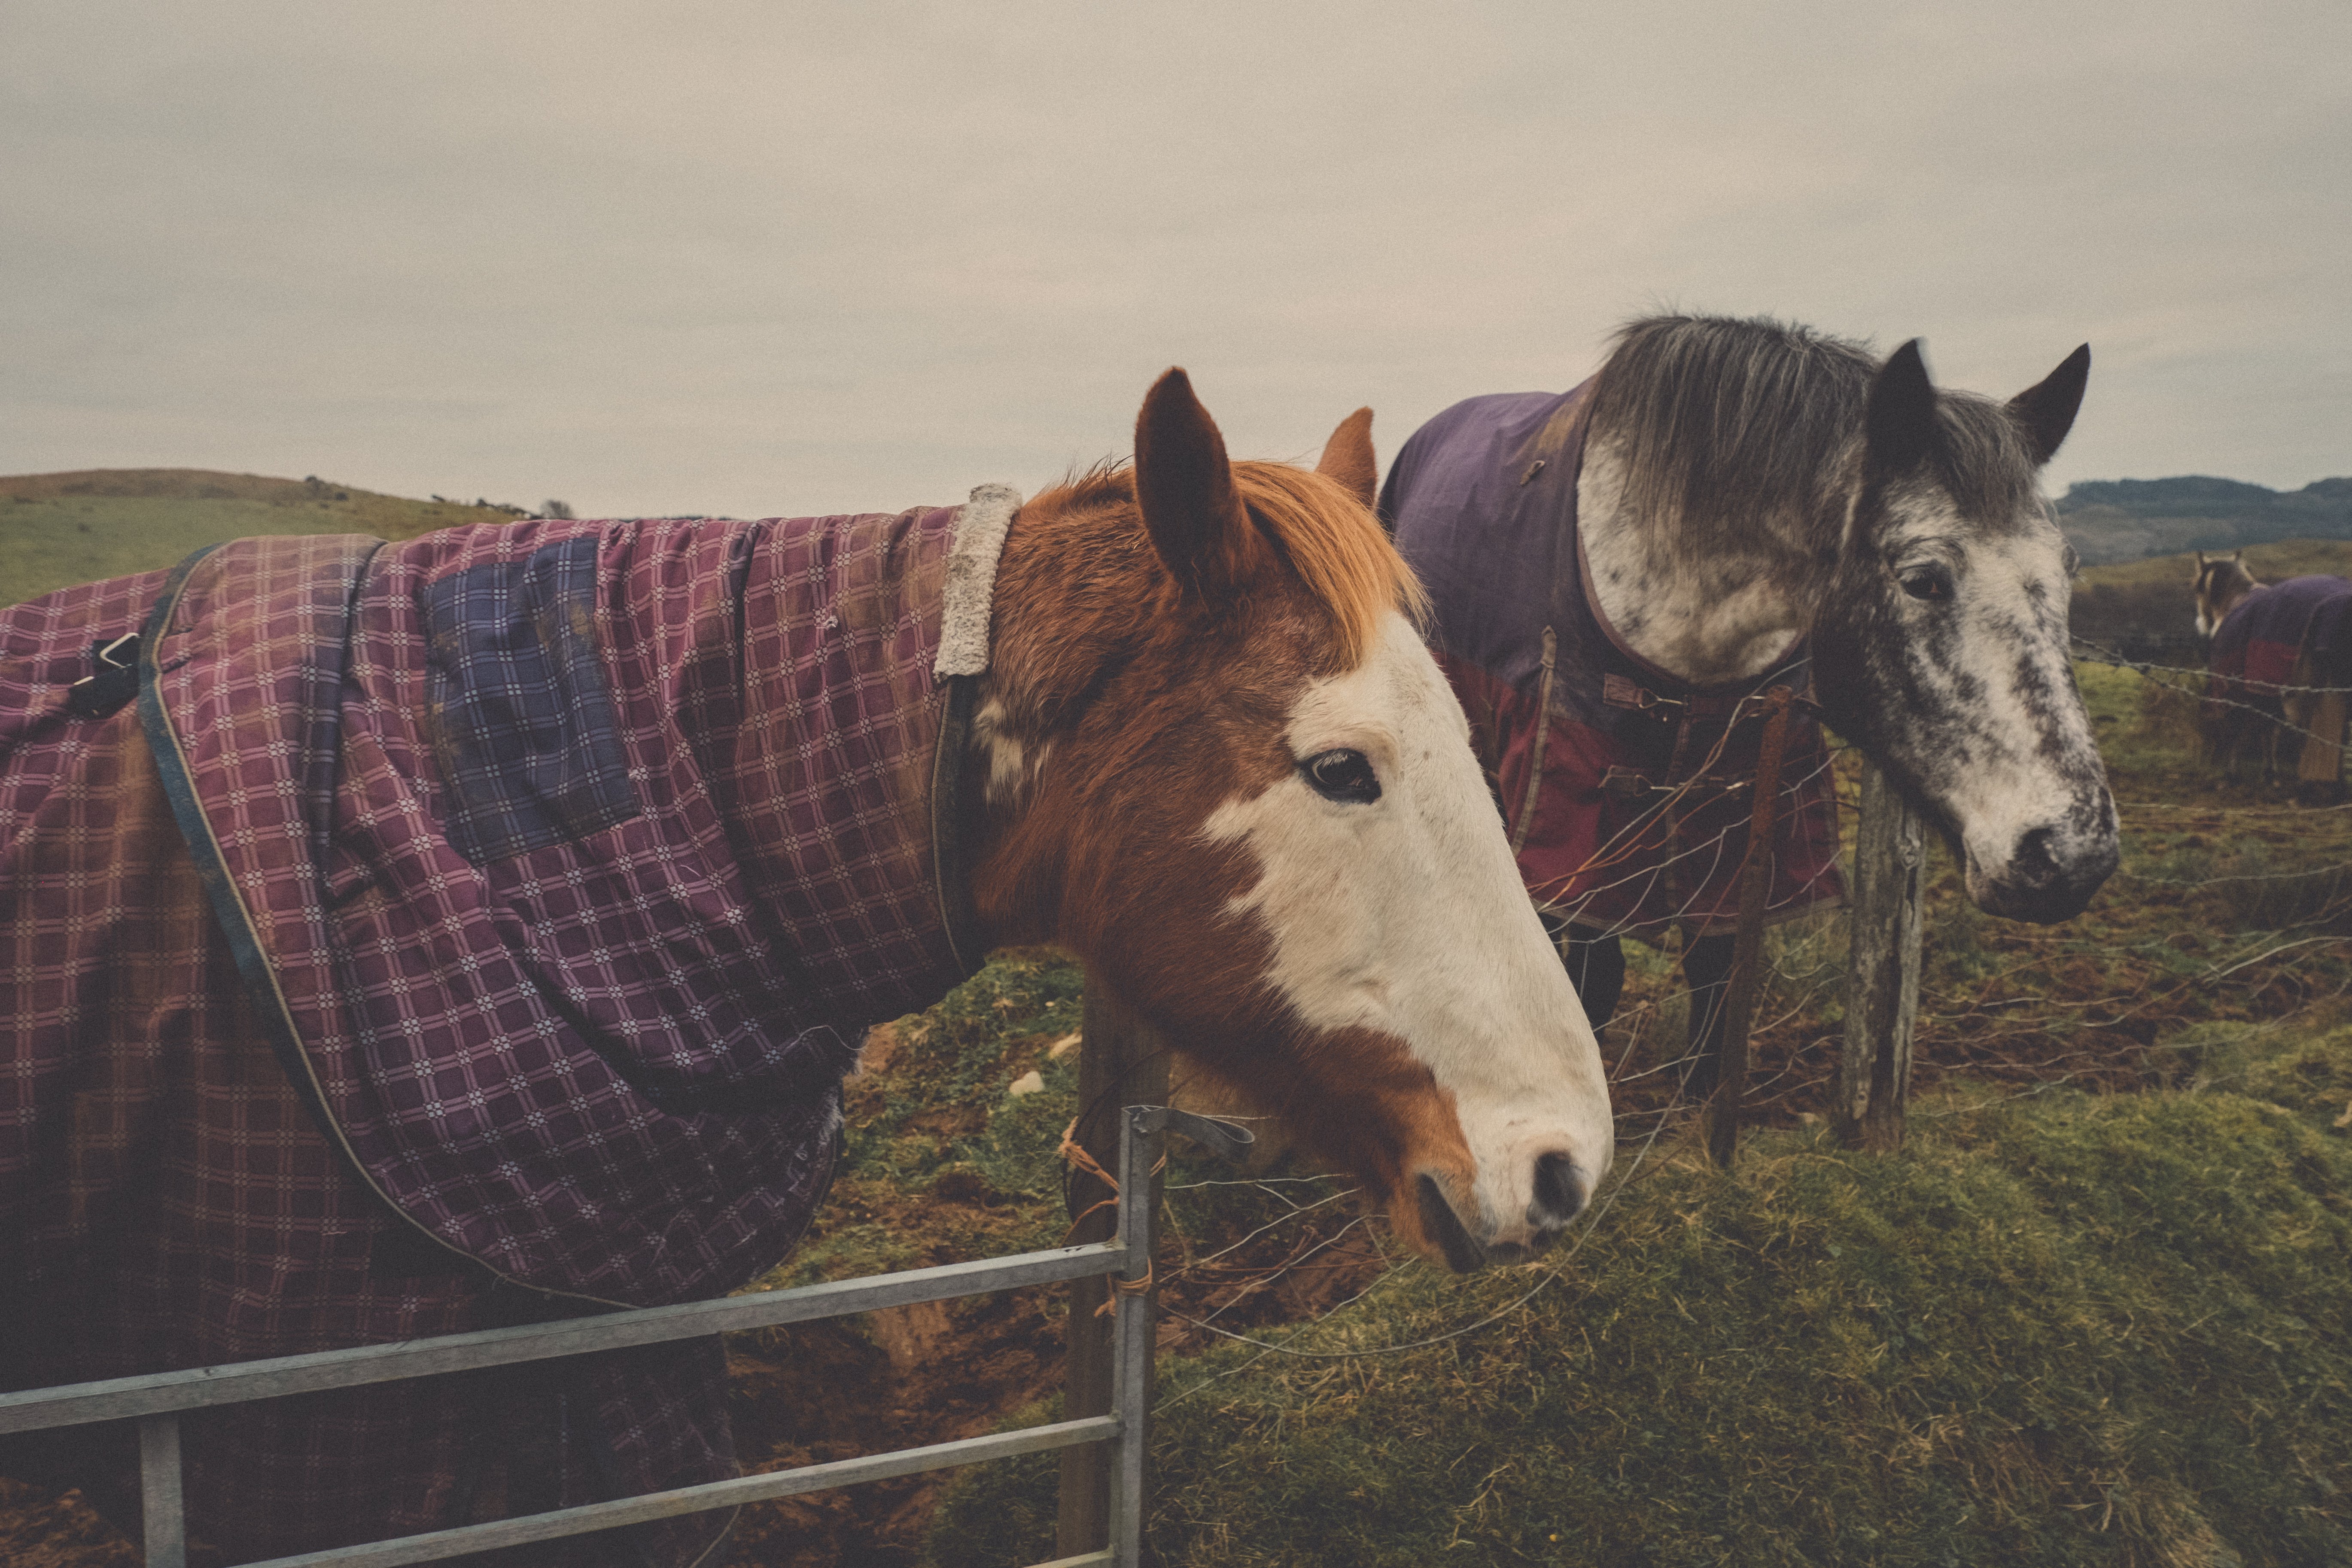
2258	642
447	934
1628	792
2281	642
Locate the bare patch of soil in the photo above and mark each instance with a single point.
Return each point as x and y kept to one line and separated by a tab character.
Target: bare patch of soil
39	1530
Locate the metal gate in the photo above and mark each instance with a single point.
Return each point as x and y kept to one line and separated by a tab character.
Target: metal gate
156	1400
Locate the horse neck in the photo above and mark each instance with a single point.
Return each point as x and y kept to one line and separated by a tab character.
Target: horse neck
2221	597
1015	853
1056	632
1708	611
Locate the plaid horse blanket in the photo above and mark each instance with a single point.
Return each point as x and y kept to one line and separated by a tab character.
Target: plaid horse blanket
490	943
2283	653
1626	790
2257	645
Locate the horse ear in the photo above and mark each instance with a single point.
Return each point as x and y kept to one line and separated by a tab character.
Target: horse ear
1900	424
2047	408
1185	485
1348	457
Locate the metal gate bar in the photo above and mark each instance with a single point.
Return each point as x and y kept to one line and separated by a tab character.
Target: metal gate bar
157	1400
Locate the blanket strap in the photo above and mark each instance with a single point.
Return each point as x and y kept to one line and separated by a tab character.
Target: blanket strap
950	853
114	679
1543	725
229	911
244	937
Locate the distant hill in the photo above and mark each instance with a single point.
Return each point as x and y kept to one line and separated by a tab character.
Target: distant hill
2127	520
57	530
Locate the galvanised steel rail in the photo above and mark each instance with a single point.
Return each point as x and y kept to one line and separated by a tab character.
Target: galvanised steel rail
156	1402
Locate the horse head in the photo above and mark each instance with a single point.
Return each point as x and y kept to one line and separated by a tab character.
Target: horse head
1942	647
1220	767
2220	583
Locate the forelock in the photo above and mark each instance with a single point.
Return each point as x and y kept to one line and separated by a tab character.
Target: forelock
1337	549
1982	461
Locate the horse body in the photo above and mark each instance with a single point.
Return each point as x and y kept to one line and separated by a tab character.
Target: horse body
1742	493
2279	669
571	911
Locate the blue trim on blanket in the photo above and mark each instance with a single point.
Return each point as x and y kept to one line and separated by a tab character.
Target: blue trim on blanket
212	868
524	729
236	921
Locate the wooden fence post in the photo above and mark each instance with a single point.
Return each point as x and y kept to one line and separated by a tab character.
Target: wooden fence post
1121	1062
1883	983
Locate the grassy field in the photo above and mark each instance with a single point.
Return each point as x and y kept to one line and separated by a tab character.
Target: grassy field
2288	558
57	530
2146	607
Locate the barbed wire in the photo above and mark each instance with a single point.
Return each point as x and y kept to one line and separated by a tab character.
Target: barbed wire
2109	656
2338	869
2210	698
2218	809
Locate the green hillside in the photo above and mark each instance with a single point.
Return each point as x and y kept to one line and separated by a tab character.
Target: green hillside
2124	519
57	530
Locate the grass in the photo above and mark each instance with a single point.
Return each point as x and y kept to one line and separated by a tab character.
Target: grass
2268	562
2057	1329
57	530
943	1162
2062	1327
2145	608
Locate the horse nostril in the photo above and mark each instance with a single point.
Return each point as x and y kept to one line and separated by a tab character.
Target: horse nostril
2037	854
1559	1197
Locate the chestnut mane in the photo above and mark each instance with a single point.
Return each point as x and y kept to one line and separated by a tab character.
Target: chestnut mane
1329	540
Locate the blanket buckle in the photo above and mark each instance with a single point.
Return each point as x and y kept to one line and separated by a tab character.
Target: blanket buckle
114	682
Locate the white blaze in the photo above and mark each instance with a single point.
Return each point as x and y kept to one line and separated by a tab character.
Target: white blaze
1406	915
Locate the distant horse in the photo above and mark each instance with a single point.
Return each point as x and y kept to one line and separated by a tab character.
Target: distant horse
1620	572
411	939
2277	673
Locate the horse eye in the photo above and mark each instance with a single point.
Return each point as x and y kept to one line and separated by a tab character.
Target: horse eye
1930	582
1345	776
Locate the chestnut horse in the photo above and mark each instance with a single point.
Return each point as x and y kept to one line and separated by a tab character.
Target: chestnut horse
1203	747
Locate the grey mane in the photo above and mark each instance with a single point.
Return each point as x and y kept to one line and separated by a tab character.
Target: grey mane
1731	429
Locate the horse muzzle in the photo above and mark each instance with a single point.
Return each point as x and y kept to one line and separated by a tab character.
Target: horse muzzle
1468	1237
2051	871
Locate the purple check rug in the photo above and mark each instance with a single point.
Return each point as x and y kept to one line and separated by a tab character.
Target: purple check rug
575	858
2255	648
1626	789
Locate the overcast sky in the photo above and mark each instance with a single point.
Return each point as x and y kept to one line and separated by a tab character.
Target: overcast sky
770	258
